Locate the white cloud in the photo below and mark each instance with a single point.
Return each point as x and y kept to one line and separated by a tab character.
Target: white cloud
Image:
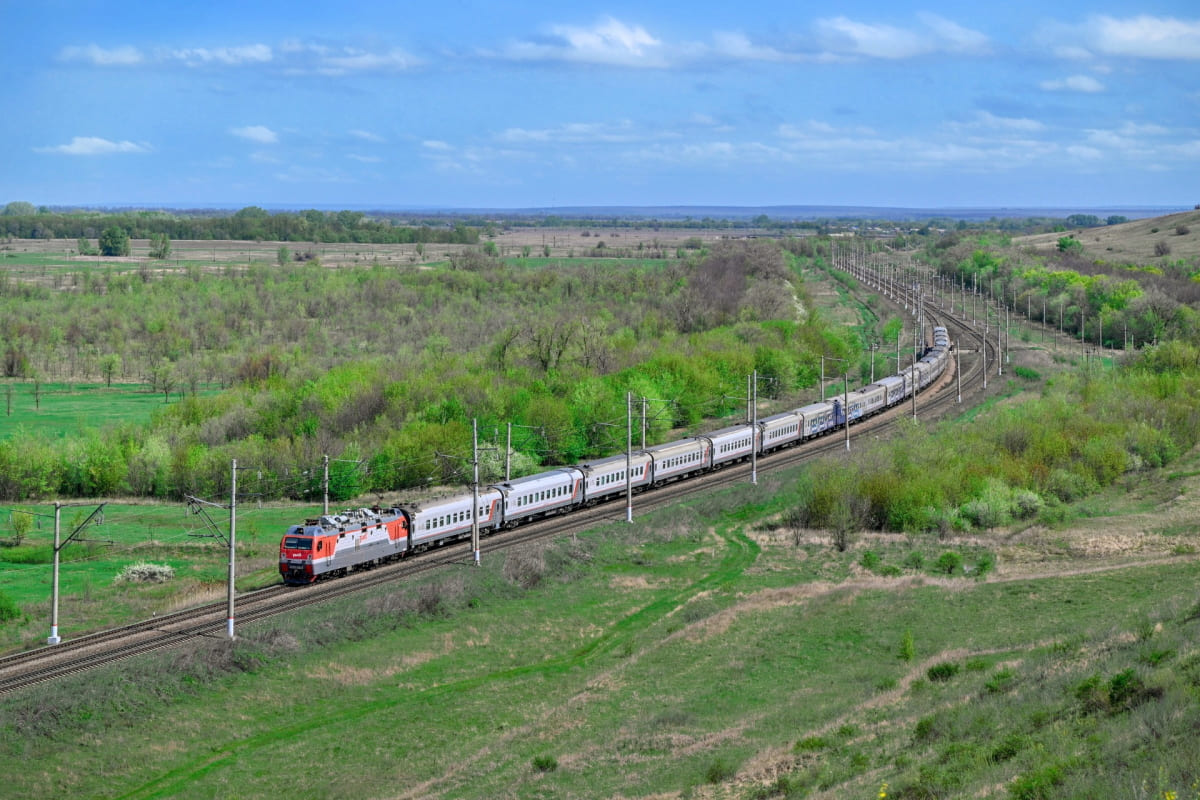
954	38
435	144
1074	83
224	56
118	56
94	146
1023	124
364	159
367	136
610	42
1147	37
256	133
1084	153
355	60
1143	36
579	133
845	37
738	47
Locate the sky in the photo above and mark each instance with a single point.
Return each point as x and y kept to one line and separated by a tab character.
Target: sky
465	104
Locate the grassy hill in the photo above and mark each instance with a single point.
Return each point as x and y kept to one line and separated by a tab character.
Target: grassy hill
1132	242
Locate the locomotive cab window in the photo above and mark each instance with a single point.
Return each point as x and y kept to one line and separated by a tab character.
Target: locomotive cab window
297	543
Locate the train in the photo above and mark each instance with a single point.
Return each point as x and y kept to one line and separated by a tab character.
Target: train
335	544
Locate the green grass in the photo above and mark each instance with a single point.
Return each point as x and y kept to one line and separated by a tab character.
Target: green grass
131	533
658	657
63	410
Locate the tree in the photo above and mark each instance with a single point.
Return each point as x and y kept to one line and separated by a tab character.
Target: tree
160	245
85	247
283	256
21	524
109	364
114	241
19	208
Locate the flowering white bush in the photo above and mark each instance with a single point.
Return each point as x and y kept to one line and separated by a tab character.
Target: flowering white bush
143	572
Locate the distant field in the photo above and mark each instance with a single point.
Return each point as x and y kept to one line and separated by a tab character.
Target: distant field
29	259
64	409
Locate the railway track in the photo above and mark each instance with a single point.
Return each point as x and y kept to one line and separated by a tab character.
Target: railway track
20	670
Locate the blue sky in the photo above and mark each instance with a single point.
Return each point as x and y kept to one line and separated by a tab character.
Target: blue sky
535	104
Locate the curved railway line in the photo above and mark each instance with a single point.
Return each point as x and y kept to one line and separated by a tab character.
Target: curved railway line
92	650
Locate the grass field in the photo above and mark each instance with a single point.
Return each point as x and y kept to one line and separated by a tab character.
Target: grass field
161	534
703	652
64	409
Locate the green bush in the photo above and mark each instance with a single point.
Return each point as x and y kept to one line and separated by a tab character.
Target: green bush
1009	746
545	763
940	673
8	609
1002	681
907	648
810	743
915	560
870	560
1040	784
948	563
926	729
719	770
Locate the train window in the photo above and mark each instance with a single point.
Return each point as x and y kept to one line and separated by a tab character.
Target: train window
297	543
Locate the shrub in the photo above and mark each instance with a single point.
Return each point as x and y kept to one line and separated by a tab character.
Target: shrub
1182	230
948	563
1162	249
1026	504
926	730
810	743
1041	784
144	572
870	560
907	648
1002	681
985	564
915	560
719	770
1027	373
545	763
1009	746
940	673
8	609
1068	486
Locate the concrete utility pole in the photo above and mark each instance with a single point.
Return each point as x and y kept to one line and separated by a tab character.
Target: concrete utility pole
754	423
958	368
629	457
325	486
914	389
475	489
197	506
232	542
54	638
846	405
